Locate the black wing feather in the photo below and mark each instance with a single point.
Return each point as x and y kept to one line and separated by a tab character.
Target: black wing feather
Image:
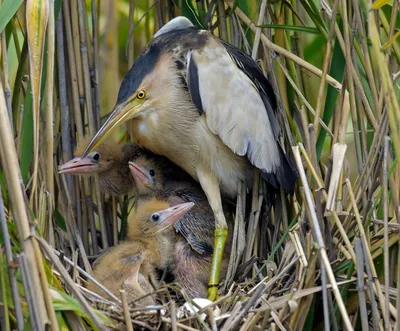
193	85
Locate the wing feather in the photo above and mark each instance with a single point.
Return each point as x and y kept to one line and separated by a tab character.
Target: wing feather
253	71
234	109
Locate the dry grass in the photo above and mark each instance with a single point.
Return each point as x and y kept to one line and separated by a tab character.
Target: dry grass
325	258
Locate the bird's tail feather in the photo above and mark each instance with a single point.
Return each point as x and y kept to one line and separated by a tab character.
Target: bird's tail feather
286	175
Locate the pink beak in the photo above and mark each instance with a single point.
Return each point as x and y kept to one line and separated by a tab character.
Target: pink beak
77	166
173	214
139	174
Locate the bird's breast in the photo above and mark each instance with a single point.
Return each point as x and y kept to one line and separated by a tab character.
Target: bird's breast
168	138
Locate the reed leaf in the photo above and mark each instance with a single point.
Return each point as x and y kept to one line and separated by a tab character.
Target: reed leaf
37	14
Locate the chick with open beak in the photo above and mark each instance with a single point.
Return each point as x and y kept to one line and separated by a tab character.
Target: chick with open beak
110	161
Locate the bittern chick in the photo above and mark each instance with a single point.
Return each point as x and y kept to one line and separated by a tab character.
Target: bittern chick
194	242
119	268
148	249
153	179
110	161
207	106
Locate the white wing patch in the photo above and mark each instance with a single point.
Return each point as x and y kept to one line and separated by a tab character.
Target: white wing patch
234	109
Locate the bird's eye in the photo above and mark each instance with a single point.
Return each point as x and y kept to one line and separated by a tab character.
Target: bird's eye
152	173
155	217
96	157
141	94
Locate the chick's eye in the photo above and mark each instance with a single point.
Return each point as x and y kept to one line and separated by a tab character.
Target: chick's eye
141	94
152	173
155	217
96	157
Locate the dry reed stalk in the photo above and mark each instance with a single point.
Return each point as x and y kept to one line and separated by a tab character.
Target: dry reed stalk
131	39
95	65
298	318
337	221
238	243
387	85
316	71
5	71
10	261
385	196
338	156
125	308
71	7
325	67
75	231
64	109
34	313
115	220
74	61
361	285
90	115
367	254
375	315
319	240
37	13
45	287
4	313
349	72
49	108
72	286
12	174
302	97
254	207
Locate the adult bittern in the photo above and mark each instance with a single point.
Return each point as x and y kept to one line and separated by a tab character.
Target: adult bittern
110	161
149	245
206	106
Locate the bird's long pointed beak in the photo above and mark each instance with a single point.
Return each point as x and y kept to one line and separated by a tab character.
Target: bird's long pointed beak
77	165
139	174
119	115
173	214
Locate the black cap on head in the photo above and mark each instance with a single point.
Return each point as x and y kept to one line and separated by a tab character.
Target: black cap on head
144	65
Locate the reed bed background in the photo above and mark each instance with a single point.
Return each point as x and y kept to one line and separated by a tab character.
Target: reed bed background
326	258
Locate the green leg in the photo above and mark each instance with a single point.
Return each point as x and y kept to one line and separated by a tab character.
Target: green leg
220	236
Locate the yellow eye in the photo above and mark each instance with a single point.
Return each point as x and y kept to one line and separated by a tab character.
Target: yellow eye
141	94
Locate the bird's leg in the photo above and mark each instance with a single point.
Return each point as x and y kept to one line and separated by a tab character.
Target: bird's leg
210	187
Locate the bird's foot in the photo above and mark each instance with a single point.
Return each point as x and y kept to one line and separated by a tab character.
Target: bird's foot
220	236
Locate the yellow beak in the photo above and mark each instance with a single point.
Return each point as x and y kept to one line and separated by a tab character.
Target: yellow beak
121	113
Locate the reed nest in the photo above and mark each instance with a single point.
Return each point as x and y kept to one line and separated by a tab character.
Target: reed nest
324	258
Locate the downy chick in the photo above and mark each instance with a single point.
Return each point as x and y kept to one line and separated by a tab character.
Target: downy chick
138	286
149	247
110	161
